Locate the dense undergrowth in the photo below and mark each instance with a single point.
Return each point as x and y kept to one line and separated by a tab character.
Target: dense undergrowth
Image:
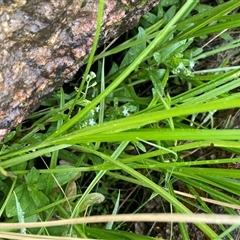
152	128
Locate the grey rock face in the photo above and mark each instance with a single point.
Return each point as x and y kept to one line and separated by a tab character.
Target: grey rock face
43	44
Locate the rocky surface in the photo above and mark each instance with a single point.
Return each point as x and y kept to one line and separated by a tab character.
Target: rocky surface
43	44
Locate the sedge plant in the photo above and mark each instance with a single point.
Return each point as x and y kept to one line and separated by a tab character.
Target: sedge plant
113	130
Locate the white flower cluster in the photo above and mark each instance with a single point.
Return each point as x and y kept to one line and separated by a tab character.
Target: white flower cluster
125	111
90	76
91	121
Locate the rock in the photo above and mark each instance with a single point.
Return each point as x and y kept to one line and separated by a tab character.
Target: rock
43	44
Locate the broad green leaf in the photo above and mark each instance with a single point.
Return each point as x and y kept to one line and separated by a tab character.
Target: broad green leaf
32	177
113	69
170	13
4	187
31	208
61	177
39	198
19	166
134	51
92	198
150	17
140	146
23	198
9	136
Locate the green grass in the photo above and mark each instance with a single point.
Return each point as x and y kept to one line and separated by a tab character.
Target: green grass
114	136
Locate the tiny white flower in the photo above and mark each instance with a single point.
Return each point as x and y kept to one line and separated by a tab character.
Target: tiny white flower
91	122
125	111
92	75
97	108
191	64
187	72
175	71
